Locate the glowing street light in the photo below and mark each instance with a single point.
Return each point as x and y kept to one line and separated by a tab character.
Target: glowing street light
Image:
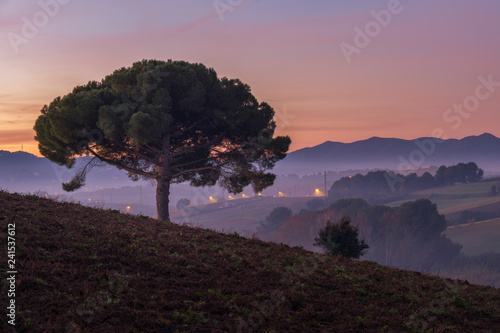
128	209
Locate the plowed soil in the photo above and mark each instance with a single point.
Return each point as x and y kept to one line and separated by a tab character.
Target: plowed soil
87	270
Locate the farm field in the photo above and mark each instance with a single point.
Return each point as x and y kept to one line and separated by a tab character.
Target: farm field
457	205
449	206
460	189
477	238
457	198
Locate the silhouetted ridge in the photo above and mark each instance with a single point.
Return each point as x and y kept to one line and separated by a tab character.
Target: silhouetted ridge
392	153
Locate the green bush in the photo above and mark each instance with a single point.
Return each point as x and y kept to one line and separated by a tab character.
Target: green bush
341	239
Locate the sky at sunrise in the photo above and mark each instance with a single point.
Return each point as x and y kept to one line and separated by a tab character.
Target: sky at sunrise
332	70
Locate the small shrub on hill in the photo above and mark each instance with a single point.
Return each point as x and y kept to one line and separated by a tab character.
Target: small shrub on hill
341	239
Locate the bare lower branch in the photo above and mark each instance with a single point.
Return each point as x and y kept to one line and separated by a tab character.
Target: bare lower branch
212	167
135	152
183	130
122	166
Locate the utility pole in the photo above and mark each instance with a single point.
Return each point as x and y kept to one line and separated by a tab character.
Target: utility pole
325	185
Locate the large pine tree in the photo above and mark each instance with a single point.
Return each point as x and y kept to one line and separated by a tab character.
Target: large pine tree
168	121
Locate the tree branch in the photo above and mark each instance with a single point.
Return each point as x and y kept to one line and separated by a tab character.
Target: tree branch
194	147
152	149
120	165
179	132
135	152
212	167
189	163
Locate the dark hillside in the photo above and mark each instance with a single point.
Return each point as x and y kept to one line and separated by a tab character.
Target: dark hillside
87	270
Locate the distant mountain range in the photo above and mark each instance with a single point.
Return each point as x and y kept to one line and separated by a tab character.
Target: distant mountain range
394	154
24	172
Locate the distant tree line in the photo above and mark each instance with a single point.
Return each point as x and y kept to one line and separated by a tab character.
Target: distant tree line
277	216
459	174
382	186
409	236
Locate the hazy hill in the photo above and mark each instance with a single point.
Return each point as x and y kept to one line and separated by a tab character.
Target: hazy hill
394	154
86	270
24	172
374	153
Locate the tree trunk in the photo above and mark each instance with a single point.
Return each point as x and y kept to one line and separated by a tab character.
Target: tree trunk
162	194
163	181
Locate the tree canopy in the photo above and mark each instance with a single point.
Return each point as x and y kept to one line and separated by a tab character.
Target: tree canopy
275	219
460	173
170	121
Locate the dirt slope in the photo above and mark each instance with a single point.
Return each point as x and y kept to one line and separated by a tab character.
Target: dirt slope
87	270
